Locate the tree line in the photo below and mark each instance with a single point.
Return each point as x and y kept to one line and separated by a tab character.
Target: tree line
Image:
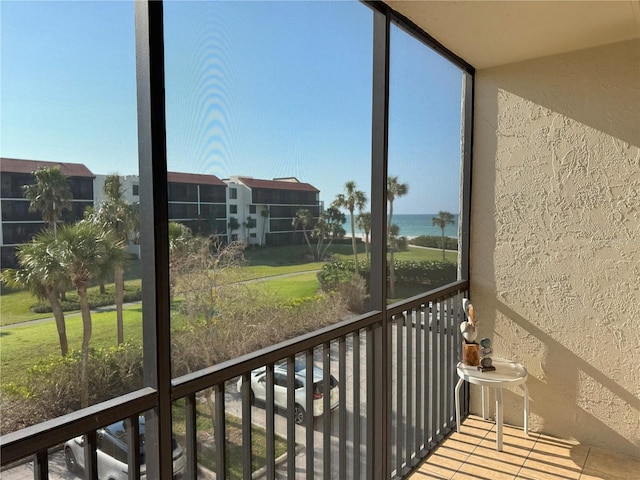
75	255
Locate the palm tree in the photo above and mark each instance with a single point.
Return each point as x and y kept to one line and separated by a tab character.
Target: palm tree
442	220
119	217
364	223
85	251
41	274
232	225
50	194
395	190
327	229
304	219
351	199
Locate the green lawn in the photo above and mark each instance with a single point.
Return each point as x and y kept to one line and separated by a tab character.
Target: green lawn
285	288
14	307
22	347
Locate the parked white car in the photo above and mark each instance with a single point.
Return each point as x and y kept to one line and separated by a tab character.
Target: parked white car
259	392
112	453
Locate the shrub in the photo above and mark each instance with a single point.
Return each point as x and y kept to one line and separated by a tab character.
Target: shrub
52	387
132	293
434	241
431	273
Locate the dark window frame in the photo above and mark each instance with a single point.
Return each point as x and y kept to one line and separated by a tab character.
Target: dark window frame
156	396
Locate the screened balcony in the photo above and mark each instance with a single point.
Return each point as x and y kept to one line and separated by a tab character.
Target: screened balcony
551	250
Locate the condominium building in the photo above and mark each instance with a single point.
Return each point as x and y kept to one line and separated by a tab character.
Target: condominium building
265	209
261	212
18	223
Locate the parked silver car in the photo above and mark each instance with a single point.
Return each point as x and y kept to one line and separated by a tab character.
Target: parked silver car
112	453
259	392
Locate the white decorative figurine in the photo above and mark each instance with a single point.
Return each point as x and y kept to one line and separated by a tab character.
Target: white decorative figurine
468	328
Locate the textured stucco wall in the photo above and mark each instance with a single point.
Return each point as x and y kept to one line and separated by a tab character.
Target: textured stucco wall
555	238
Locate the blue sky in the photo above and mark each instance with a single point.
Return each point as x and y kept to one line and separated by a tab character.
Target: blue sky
265	89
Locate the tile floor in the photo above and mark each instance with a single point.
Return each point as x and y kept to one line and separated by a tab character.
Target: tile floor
471	454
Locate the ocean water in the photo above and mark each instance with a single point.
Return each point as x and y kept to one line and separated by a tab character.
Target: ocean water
415	225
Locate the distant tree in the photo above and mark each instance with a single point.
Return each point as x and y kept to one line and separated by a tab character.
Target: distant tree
351	199
180	237
85	251
250	223
305	221
395	189
119	217
205	269
232	226
442	220
50	194
265	219
42	275
327	229
364	223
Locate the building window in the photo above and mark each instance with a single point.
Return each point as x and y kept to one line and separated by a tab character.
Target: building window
233	208
233	193
136	190
252	209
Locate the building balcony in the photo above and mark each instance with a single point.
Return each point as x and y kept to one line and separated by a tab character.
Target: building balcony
471	454
402	414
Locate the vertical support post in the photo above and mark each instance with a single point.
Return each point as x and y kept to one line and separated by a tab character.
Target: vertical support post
291	425
152	158
191	429
220	434
357	424
41	465
379	420
90	455
270	427
308	423
247	467
133	451
466	129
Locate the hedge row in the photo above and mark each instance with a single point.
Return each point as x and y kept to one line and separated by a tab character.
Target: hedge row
131	294
435	242
430	273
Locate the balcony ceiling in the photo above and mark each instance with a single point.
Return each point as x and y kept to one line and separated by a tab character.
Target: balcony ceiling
491	33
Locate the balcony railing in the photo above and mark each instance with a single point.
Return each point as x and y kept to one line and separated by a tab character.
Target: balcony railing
423	344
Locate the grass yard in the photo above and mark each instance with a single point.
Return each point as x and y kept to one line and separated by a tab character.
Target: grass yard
22	347
14	307
253	272
288	288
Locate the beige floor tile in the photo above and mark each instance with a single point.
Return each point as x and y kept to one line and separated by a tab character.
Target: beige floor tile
482	470
612	464
456	449
563	453
428	476
439	464
513	440
548	470
589	474
510	459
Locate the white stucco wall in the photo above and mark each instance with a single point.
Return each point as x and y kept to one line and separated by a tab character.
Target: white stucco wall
555	238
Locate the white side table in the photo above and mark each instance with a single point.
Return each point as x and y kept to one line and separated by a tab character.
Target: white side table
506	374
